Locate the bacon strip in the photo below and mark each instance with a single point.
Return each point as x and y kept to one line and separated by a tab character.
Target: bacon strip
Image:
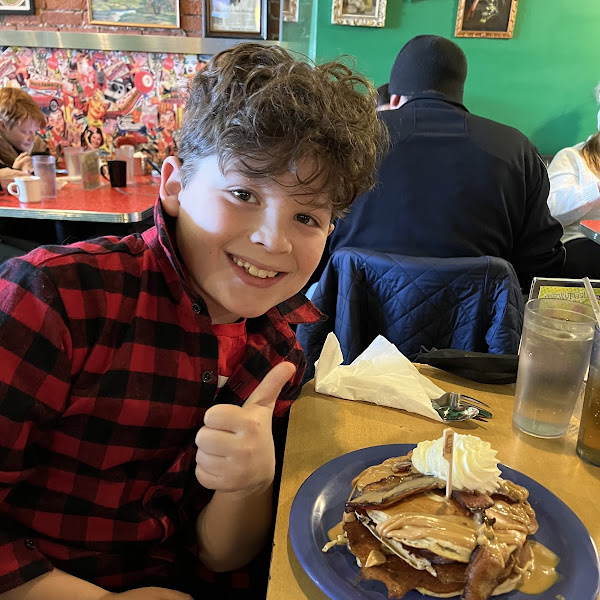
397	487
482	574
472	501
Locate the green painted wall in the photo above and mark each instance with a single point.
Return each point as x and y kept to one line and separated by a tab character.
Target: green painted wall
301	36
541	81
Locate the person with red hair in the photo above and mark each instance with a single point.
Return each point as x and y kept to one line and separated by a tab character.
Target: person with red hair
20	120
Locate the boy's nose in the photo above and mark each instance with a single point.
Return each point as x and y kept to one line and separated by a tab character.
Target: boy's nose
272	235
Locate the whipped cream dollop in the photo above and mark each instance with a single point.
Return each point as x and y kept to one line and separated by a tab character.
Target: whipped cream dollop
474	465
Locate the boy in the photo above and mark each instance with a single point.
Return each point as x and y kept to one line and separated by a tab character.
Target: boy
20	120
130	364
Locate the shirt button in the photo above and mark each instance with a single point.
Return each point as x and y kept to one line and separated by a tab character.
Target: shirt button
29	544
207	376
196	308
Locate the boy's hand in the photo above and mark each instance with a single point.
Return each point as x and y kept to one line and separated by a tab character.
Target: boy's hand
148	593
235	446
24	163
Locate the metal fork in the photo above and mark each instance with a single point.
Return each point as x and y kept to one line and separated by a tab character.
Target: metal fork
452	406
469	399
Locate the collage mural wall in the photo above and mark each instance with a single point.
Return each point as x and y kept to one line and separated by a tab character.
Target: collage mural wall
93	98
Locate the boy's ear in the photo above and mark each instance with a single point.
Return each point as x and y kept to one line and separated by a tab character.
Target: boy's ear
331	228
170	185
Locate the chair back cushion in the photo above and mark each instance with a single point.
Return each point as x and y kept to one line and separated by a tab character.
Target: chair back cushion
471	303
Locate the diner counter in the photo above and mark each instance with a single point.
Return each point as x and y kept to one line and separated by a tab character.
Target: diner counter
322	428
106	204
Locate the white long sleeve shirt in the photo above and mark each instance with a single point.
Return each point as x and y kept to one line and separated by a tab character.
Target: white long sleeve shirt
574	191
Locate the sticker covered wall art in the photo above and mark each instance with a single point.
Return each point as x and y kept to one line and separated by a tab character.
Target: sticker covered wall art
100	99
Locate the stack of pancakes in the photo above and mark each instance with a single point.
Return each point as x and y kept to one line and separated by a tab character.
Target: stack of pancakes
405	533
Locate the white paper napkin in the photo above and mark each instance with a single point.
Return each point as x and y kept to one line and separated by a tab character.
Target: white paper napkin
381	374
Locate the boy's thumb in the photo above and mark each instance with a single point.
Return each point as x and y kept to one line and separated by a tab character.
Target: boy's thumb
270	387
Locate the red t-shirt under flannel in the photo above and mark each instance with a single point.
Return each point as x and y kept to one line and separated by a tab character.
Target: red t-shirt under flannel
232	339
107	365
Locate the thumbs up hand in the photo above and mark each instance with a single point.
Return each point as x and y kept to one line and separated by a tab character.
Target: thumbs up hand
235	445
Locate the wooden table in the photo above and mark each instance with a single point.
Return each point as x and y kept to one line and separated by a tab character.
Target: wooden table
322	428
105	204
591	230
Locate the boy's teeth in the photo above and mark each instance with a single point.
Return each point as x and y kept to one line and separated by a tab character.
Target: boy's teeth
255	271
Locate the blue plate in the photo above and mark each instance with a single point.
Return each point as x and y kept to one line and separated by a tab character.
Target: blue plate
319	504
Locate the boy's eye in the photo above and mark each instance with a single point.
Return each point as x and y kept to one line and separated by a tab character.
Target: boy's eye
242	195
307	220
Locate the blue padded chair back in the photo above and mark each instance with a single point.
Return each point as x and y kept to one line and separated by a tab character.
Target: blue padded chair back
470	303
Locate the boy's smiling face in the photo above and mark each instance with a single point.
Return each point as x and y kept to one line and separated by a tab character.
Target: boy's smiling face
248	244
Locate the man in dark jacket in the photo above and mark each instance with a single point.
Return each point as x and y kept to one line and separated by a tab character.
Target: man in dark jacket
453	184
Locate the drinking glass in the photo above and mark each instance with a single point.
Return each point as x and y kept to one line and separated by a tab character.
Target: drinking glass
588	442
555	352
73	161
44	167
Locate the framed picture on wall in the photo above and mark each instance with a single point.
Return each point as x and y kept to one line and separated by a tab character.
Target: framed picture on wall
289	10
16	7
235	18
367	13
486	18
149	13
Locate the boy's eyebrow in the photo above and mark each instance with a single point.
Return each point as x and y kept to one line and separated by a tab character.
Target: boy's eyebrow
235	168
297	187
314	203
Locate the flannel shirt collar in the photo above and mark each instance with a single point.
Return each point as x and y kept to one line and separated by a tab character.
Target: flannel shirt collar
297	309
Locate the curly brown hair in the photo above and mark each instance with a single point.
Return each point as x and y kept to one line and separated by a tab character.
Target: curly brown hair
262	109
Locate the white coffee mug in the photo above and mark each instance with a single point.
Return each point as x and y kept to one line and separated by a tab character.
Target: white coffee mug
26	189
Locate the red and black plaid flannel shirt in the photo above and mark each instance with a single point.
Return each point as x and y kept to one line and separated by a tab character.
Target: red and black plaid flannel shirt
107	365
